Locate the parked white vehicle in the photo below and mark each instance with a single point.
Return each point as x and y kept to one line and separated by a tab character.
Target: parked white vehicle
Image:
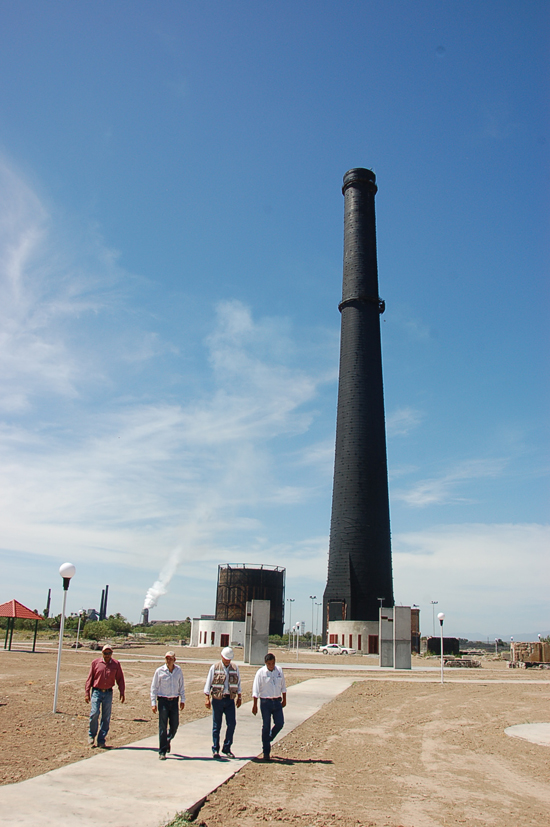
336	649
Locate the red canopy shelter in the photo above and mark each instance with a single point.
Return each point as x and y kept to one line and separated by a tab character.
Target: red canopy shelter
13	609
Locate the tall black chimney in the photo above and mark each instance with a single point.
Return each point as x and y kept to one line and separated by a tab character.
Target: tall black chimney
359	567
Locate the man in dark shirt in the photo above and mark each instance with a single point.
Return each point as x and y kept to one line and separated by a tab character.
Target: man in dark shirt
104	673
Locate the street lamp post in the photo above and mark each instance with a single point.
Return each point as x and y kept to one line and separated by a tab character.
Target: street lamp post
290	601
312	597
317	621
67	570
496	646
441	618
434	604
80	614
512	653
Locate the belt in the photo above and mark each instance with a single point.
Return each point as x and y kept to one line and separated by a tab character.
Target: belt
169	697
278	698
110	689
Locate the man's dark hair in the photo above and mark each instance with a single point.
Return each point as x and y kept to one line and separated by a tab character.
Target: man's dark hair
269	656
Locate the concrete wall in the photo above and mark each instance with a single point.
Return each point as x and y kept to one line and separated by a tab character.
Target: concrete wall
395	637
359	630
202	631
256	638
402	637
530	652
386	637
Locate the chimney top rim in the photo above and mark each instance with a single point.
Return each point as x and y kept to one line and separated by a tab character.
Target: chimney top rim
357	175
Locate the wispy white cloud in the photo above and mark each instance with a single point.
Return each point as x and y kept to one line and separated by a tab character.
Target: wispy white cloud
402	421
482	575
320	454
447	487
44	286
129	482
413	326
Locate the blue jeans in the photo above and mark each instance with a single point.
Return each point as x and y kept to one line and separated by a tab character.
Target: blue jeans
169	718
101	703
271	708
220	707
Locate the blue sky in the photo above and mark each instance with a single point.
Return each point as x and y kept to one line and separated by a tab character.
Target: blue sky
171	226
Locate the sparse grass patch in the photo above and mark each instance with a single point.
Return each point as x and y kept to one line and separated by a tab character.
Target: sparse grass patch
184	820
179	820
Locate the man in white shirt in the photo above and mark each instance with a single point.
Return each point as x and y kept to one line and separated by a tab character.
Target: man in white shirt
166	690
270	687
223	692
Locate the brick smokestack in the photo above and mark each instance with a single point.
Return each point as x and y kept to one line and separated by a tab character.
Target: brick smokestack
360	566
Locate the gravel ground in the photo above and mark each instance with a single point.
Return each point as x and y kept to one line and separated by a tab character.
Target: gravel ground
392	751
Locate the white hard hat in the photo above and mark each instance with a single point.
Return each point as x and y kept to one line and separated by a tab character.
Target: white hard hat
228	653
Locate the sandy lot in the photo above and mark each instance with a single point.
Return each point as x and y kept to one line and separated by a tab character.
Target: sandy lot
392	751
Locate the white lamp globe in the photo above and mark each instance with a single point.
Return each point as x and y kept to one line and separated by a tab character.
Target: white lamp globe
67	570
441	617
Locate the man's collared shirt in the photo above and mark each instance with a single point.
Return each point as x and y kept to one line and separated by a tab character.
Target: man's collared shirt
167	684
210	678
269	684
104	675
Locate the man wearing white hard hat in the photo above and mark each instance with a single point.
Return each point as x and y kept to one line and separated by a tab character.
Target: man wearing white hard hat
223	693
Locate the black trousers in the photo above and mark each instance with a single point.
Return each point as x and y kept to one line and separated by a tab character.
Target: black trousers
169	718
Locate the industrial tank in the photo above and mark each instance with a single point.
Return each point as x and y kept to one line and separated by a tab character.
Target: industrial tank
238	584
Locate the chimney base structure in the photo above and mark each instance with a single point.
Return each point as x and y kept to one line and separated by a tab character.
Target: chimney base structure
359	577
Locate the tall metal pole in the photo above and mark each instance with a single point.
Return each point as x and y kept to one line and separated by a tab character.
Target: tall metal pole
434	604
66	571
61	628
317	621
290	601
441	618
78	630
312	597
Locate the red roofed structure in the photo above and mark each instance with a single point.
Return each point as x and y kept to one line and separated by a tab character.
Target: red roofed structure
14	610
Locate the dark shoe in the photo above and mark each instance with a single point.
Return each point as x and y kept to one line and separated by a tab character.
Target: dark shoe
228	753
162	756
215	755
266	758
168	747
101	745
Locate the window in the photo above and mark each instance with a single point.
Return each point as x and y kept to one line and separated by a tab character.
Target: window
212	638
224	640
373	645
333	638
358	643
351	641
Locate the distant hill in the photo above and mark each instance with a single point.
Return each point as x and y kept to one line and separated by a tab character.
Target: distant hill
526	637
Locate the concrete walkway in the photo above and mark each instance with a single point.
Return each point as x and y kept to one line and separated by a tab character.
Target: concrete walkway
536	733
130	787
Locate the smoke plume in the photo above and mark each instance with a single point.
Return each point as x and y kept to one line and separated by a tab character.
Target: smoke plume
160	586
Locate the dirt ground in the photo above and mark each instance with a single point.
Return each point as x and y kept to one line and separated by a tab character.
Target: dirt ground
391	751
